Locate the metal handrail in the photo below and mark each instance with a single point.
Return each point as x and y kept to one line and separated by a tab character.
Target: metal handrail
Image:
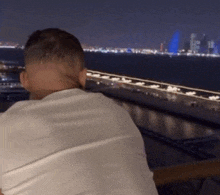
186	172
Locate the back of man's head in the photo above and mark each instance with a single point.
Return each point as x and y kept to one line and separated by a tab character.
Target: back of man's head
53	61
53	44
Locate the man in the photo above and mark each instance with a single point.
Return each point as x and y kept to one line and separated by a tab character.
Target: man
65	140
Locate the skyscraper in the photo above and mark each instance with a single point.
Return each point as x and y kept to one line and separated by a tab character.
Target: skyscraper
174	43
204	44
211	45
194	44
192	40
161	47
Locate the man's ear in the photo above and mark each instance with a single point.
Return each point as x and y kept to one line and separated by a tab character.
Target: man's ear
24	80
82	77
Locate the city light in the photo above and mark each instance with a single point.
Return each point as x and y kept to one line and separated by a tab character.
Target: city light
197	48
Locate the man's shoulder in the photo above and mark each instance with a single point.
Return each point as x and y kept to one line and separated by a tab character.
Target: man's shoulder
87	99
63	102
17	116
17	107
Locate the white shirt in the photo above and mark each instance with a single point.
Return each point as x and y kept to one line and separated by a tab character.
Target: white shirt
72	142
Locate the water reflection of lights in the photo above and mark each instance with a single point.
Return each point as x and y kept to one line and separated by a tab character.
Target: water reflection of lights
209	131
170	124
166	124
139	116
153	120
188	129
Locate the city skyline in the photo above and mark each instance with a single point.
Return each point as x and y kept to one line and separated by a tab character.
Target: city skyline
134	24
194	44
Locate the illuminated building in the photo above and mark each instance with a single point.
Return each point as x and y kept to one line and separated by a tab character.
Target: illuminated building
204	44
174	43
211	45
161	47
194	44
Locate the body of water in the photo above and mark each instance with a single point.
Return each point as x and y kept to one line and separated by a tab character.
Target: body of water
198	72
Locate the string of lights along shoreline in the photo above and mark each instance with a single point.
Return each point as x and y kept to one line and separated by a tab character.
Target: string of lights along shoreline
198	45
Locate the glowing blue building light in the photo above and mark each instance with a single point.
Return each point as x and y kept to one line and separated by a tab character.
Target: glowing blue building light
129	50
174	43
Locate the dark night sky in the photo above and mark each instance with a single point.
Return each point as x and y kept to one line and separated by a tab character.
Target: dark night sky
122	23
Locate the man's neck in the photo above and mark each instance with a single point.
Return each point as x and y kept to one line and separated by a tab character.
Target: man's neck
41	94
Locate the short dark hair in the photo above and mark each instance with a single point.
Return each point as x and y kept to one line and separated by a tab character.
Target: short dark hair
53	44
